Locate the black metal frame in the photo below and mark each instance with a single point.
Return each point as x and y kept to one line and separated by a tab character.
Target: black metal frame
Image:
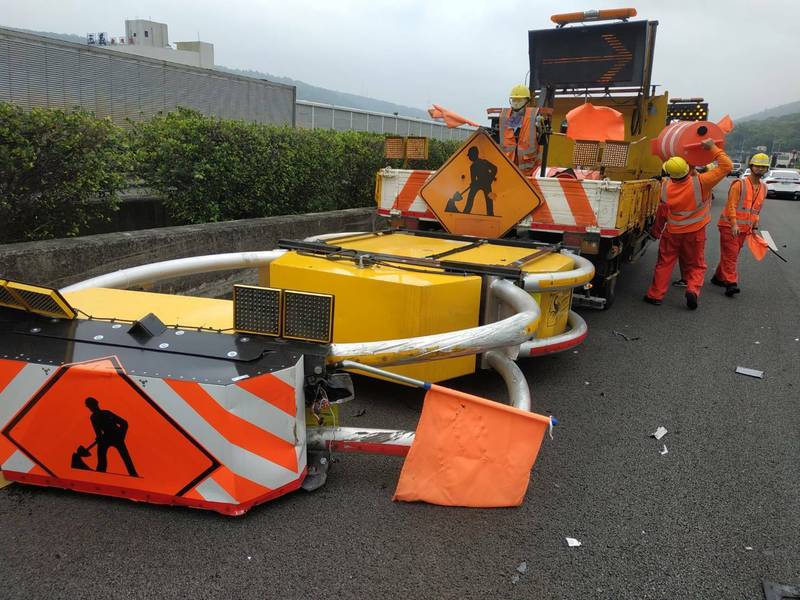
433	261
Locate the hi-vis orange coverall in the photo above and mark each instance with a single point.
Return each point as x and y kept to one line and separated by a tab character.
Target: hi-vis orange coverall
687	205
518	139
744	206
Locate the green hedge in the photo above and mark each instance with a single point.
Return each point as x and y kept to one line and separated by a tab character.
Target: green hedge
59	170
217	170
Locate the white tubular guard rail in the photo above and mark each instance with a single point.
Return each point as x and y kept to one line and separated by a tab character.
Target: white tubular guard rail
558	343
561	280
515	331
145	274
511	331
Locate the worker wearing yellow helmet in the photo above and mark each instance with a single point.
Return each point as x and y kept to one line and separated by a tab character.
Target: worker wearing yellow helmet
685	210
518	132
738	220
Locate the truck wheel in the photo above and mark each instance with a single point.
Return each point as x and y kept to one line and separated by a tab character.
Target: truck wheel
608	290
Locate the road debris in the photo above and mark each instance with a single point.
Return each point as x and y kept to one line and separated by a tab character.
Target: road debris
360	413
515	579
573	543
627	338
664	451
750	372
522	567
659	433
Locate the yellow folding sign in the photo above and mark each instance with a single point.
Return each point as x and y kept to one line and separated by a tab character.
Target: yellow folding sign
479	191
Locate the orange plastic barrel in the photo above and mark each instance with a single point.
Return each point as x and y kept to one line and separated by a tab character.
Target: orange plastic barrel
684	139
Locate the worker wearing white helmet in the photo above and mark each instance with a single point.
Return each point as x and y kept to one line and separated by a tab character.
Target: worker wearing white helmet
686	203
518	132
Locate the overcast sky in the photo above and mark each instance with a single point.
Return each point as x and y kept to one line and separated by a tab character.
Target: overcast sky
741	55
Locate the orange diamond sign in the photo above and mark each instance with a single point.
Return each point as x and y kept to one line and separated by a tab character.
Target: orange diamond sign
479	191
90	423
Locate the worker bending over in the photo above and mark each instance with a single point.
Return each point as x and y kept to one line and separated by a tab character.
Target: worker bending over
738	220
686	202
518	132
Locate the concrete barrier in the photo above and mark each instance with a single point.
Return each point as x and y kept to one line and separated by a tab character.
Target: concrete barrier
61	262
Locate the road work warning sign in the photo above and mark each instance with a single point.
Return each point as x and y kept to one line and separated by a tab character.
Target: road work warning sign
91	423
479	191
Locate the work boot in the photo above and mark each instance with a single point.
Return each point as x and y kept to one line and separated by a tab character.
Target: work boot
718	282
691	300
680	283
732	290
650	300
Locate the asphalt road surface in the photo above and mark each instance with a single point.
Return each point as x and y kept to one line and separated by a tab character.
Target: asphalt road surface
708	520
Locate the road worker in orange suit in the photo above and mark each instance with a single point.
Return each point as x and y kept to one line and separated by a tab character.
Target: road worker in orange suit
518	132
738	220
686	204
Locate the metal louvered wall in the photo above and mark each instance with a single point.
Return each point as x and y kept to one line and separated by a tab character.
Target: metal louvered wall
43	72
313	115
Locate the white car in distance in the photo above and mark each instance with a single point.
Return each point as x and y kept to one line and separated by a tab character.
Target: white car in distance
783	183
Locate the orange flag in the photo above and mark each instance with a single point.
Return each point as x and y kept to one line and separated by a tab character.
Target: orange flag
470	451
598	123
726	124
758	246
450	118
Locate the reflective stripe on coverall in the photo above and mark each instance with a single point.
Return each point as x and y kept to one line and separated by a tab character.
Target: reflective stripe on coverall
524	149
744	205
684	237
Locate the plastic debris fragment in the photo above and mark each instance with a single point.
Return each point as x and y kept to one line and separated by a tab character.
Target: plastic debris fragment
659	433
750	372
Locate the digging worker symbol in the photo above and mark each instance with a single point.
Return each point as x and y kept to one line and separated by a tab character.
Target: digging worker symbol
481	174
110	431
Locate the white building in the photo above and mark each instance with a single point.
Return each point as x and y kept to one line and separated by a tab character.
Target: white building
151	39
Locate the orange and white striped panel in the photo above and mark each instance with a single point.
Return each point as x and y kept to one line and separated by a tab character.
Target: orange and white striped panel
223	447
255	428
400	192
19	381
569	204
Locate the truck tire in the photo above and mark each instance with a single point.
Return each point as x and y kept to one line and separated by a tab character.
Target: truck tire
608	290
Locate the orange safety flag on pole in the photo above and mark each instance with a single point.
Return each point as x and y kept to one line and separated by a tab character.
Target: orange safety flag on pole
450	118
726	124
470	451
597	123
758	246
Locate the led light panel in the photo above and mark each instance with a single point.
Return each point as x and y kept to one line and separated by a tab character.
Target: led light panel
308	316
257	310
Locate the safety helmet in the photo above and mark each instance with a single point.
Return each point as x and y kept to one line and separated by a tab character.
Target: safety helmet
520	91
676	167
759	160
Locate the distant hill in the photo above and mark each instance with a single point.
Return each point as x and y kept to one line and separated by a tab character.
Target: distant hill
776	133
66	37
305	91
312	93
777	111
